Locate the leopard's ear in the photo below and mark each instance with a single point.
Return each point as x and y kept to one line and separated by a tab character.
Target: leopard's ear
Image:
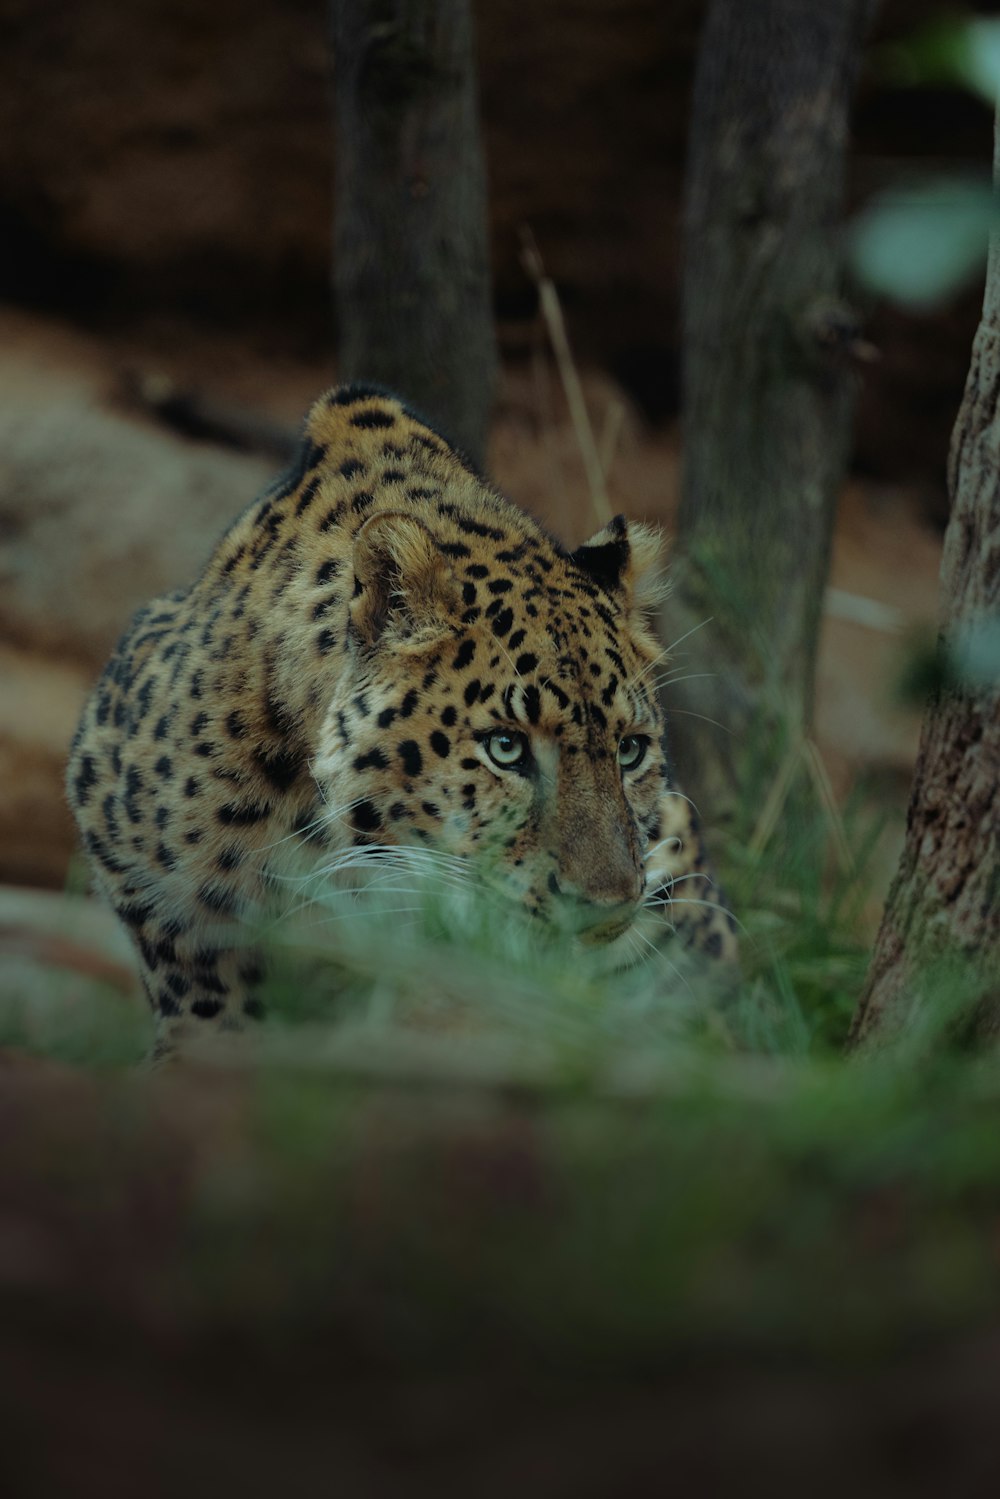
403	584
626	557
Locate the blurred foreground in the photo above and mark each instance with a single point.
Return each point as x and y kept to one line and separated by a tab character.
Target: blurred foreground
466	1218
386	1276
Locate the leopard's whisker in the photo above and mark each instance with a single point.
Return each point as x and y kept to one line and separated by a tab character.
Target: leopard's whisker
634	949
642	940
677	973
674	679
688	713
683	798
319	892
679	879
673	838
382	853
326	876
709	905
662	958
329	917
265	848
688	633
649	666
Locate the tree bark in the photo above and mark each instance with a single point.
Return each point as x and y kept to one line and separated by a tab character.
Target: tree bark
767	378
411	266
941	924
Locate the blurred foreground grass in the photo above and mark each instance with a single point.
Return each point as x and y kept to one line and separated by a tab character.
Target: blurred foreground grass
457	1136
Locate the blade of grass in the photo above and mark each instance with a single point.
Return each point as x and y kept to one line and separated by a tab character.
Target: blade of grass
551	310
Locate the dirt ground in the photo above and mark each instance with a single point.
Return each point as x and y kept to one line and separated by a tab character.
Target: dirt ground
185	1311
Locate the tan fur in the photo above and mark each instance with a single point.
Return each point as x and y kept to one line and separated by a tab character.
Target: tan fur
336	679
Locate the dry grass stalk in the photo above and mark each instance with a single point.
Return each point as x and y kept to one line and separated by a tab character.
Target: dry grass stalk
803	752
548	299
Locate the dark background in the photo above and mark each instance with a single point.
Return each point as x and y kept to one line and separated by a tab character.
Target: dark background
168	161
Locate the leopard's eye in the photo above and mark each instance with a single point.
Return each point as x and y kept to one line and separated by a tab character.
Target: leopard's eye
632	750
507	748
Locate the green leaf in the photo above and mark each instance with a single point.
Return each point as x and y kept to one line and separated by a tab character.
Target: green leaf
920	244
965	52
978	59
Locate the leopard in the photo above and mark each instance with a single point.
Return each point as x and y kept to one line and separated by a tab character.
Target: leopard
382	654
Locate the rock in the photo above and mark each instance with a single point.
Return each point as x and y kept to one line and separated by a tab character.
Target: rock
40	702
99	510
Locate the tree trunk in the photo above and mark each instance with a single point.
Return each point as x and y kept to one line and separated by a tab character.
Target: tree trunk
410	245
942	918
767	381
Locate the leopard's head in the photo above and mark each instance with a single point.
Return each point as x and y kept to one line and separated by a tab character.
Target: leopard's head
499	706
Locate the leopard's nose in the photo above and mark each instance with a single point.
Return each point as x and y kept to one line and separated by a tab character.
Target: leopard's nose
601	914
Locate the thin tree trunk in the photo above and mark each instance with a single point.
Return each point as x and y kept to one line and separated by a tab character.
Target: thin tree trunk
944	904
411	265
767	383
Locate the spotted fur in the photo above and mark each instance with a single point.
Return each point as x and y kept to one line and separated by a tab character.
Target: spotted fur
338	676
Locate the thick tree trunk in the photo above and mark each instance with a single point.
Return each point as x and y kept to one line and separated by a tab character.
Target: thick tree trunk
411	264
767	383
943	911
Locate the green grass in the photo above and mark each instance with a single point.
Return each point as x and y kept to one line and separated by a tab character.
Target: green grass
469	1123
420	956
806	948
